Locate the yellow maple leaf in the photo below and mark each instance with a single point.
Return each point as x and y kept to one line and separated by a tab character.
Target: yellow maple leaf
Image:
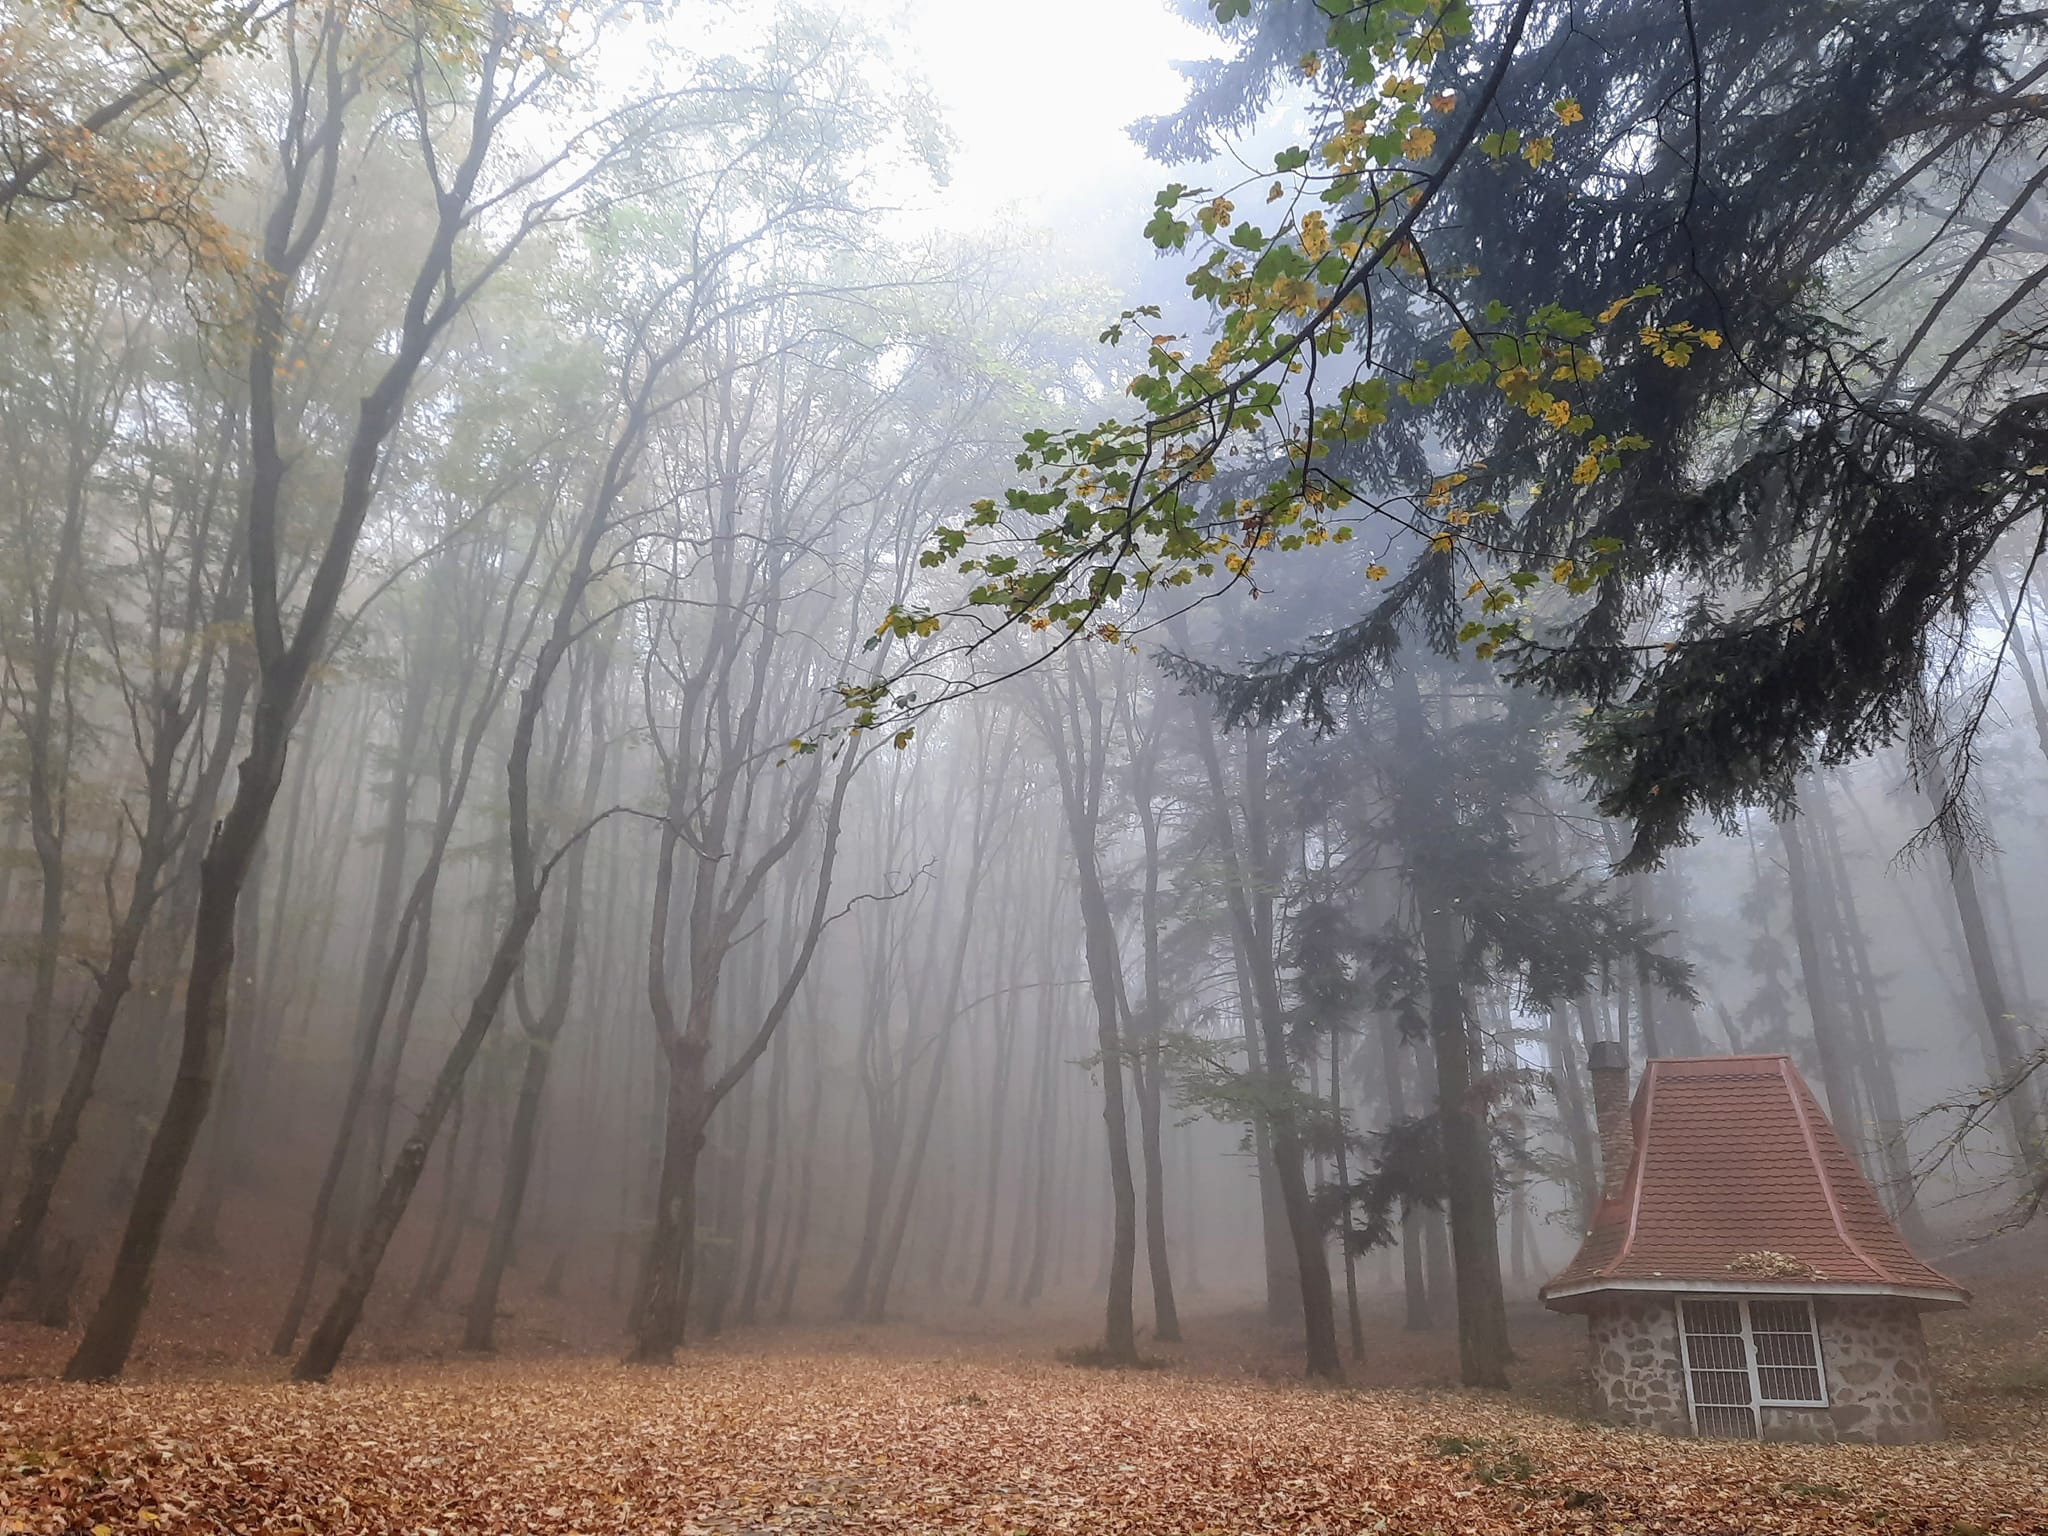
1375	573
1419	143
1315	237
1539	151
1568	111
1586	471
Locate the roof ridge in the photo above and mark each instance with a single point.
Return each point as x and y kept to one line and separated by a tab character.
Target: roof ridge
1827	1183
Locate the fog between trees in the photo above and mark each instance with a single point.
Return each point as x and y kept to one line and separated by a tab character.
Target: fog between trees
505	793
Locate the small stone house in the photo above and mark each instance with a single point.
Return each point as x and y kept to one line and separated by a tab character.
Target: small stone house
1741	1279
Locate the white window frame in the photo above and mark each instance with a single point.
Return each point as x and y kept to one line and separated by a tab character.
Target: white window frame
1757	1401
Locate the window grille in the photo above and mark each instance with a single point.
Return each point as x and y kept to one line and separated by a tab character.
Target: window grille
1787	1352
1744	1353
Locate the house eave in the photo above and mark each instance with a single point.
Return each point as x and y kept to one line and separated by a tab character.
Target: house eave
1926	1295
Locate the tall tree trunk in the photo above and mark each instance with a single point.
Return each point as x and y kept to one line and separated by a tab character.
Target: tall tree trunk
1344	1197
1415	1290
1250	908
1043	1187
1318	1303
449	1213
1032	1176
1836	1063
675	1211
989	784
324	1346
201	1234
1147	1062
1079	755
998	1113
110	1334
543	1035
1483	1351
693	1096
154	848
800	1217
764	1192
1998	1026
284	665
1578	1131
1874	1058
46	720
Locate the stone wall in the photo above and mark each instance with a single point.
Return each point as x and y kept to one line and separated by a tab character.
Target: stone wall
1638	1374
1880	1386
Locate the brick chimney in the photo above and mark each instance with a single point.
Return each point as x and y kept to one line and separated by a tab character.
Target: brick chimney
1607	1063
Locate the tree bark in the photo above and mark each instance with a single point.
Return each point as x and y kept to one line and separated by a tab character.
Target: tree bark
1483	1351
1344	1206
1415	1291
1829	1044
1251	922
1079	756
479	1328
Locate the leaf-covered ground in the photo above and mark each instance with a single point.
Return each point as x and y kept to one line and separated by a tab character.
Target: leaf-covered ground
732	1441
965	1424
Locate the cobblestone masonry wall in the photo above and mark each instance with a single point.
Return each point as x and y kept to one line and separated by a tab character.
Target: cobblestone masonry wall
1638	1375
1880	1386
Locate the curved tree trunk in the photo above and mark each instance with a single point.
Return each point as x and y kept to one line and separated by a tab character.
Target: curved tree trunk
323	1348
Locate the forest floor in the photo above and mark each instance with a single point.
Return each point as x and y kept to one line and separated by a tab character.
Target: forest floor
970	1425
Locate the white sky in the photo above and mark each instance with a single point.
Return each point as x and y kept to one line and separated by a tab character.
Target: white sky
1037	95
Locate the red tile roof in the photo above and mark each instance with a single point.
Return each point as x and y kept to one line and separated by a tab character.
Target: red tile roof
1735	1165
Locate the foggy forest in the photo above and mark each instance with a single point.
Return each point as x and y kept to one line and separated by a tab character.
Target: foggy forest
1175	765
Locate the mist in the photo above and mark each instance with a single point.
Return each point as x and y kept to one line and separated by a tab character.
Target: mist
690	687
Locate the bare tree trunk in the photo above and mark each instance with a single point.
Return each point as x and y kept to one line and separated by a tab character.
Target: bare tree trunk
46	720
1829	1044
998	1111
1033	1173
1571	1104
309	168
1344	1197
158	841
764	1191
1249	900
1483	1351
1079	758
446	1235
693	1097
988	783
1874	1051
543	1036
323	1348
1148	1064
1999	1030
1415	1287
801	1215
1043	1186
